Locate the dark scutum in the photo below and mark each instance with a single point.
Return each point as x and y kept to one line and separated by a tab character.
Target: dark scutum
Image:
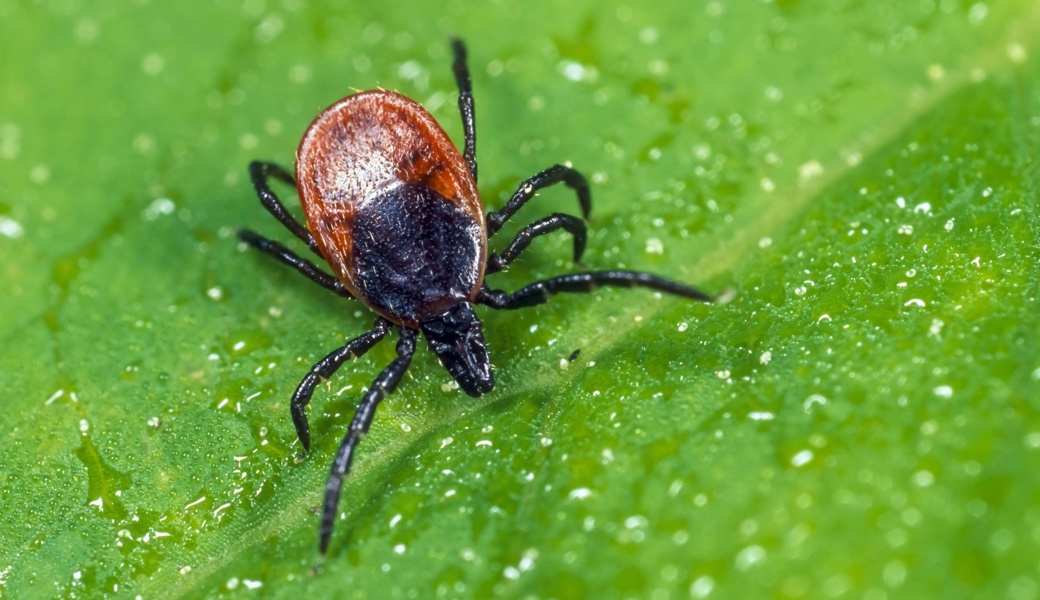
415	253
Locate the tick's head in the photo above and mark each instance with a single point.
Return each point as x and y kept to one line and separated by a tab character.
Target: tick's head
457	338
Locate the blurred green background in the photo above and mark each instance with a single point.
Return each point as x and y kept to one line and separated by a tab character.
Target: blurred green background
860	421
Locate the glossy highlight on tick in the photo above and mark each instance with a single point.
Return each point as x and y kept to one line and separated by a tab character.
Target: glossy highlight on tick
392	208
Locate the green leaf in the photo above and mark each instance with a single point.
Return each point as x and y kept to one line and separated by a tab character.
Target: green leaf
859	420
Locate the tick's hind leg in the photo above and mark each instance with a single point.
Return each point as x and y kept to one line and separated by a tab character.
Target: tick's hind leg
555	221
551	176
381	387
260	173
324	369
465	105
288	257
539	292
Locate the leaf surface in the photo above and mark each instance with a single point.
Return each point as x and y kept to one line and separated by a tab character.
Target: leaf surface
858	420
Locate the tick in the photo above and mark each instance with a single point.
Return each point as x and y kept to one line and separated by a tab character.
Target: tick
392	207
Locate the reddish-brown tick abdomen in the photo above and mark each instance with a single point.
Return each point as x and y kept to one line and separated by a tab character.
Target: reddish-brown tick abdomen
392	206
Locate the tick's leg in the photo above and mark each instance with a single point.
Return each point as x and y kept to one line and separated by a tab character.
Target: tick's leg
551	176
324	369
382	387
261	172
465	105
540	291
287	256
576	227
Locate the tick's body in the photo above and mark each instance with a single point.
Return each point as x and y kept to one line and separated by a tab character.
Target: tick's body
392	207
